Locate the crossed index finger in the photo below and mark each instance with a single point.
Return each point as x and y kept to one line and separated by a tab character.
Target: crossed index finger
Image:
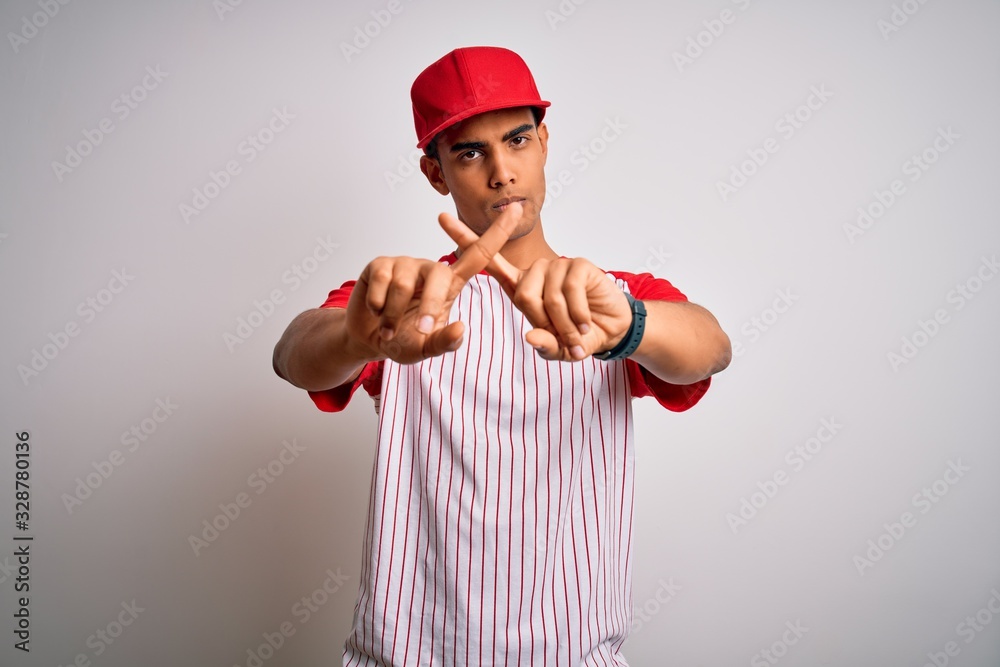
477	256
503	271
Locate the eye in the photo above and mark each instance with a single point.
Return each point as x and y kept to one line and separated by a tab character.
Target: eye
523	137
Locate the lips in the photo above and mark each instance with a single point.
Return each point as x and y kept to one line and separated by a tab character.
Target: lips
502	204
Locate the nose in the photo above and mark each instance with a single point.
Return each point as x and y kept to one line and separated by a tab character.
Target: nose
502	173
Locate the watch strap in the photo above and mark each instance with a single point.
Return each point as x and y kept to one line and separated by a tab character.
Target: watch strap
630	342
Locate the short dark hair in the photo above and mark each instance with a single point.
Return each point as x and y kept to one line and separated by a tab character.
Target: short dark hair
431	149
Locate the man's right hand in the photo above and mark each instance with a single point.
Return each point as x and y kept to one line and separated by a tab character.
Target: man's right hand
399	306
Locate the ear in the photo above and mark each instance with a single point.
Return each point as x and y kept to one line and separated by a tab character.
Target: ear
431	168
543	139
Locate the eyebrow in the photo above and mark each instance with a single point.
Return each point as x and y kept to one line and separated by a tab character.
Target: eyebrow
467	145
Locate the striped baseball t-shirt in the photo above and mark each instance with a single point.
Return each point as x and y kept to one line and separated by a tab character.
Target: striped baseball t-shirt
500	515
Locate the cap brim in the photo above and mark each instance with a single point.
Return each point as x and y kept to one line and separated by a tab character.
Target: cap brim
469	113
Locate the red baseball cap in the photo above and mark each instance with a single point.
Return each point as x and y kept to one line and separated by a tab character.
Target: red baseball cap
470	81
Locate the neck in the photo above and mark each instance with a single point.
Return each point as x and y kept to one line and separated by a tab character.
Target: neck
523	251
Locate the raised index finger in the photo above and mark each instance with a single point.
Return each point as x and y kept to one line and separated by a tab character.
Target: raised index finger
477	255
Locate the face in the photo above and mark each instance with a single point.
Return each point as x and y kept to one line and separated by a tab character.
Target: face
488	159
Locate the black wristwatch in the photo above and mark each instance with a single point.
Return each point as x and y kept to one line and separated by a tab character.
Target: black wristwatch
627	345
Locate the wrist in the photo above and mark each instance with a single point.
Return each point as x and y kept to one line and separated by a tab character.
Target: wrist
625	345
357	351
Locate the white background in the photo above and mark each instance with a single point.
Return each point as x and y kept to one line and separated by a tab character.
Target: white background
338	172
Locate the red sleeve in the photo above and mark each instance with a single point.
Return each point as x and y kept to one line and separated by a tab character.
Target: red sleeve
337	398
674	397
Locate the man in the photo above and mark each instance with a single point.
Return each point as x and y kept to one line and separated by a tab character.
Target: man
499	521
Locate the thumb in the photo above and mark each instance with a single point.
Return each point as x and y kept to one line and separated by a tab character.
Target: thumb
447	339
544	342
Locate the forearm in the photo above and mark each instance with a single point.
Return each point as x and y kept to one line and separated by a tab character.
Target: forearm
683	343
315	352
